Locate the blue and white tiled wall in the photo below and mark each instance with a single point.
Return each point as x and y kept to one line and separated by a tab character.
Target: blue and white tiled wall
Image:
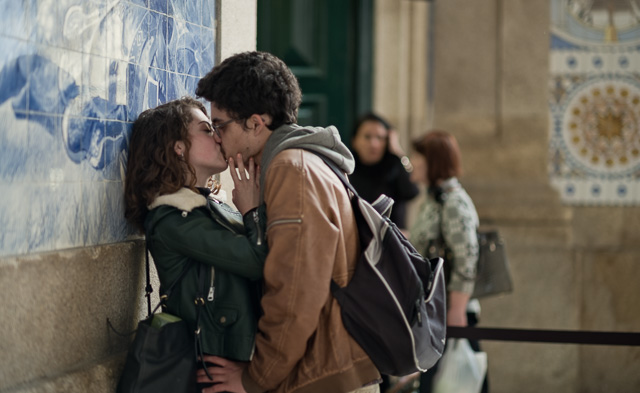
74	74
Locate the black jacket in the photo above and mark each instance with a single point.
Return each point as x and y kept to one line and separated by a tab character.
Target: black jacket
187	228
388	177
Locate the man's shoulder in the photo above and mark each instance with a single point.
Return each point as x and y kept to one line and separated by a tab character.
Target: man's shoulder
309	166
297	157
287	155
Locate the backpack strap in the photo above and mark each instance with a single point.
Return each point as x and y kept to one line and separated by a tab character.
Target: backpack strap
337	171
382	205
336	291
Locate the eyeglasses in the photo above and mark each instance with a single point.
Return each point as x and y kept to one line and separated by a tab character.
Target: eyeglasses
217	127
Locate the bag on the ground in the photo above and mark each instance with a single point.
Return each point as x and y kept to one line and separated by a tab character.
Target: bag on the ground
394	305
461	370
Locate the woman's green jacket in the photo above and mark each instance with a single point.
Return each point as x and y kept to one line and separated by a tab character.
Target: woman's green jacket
187	229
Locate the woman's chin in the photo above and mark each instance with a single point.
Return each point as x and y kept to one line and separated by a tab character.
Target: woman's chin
219	168
370	160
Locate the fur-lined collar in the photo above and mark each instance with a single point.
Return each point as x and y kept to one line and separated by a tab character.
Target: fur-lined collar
184	199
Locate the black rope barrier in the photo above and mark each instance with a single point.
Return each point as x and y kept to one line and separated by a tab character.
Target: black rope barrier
547	336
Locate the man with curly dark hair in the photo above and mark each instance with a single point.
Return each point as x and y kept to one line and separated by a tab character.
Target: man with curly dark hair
301	345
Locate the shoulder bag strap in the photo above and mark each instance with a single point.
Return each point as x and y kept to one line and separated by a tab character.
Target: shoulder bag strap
440	202
199	299
200	304
149	288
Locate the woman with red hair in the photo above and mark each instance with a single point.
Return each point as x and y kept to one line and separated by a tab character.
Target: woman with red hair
446	226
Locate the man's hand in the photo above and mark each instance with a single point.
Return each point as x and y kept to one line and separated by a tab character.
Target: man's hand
226	374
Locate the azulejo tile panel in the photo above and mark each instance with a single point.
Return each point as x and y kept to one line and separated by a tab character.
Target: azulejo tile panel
74	74
595	102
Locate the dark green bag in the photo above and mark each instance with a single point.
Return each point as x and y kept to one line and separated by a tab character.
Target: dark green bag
162	356
160	359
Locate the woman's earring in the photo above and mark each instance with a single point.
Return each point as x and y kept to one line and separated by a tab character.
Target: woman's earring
213	183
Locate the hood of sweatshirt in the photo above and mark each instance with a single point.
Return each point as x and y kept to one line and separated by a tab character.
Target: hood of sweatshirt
325	141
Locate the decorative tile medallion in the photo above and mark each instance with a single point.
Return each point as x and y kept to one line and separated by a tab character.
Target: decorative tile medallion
595	101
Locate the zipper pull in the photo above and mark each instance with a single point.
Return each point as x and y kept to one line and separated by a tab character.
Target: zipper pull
212	286
419	313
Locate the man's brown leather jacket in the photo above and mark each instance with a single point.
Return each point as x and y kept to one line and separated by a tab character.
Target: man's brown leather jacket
302	345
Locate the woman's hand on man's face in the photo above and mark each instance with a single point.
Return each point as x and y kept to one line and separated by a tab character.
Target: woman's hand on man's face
246	182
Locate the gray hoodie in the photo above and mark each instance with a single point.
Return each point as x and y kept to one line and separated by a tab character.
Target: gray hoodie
325	141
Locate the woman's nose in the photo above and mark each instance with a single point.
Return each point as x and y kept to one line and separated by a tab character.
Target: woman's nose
377	143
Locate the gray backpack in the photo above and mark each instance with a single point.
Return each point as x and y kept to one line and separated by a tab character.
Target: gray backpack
394	306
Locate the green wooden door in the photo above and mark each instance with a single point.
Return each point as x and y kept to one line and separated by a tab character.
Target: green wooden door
327	45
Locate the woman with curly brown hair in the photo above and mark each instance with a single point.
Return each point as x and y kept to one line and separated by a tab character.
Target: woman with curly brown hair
174	150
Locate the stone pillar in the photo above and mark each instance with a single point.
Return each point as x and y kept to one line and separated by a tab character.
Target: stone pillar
400	69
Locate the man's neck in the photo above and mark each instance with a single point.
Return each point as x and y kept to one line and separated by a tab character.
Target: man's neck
262	142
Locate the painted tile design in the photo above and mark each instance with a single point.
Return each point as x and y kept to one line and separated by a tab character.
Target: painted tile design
74	74
595	102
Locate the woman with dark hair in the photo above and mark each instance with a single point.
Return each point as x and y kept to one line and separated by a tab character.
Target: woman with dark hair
381	170
447	214
174	150
379	166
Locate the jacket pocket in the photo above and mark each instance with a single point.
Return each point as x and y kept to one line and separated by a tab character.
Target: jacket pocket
224	317
284	221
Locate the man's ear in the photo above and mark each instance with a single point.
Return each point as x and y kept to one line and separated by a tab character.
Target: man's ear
260	122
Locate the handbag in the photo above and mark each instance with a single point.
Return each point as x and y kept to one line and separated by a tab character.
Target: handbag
493	275
162	356
160	359
461	370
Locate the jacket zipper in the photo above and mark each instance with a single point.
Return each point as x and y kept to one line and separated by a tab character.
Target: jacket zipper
285	221
212	288
256	219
